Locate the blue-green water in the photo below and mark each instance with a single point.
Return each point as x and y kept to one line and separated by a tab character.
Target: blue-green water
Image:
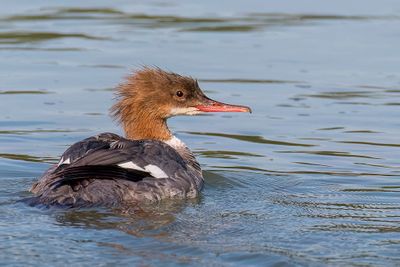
311	178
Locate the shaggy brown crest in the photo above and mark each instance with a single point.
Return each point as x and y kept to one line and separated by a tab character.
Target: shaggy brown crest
145	101
150	96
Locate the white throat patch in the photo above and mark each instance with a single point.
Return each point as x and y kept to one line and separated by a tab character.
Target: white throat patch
185	111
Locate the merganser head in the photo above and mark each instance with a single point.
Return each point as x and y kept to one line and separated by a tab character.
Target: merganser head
151	95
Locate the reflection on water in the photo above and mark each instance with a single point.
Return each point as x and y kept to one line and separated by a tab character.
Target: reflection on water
310	178
140	222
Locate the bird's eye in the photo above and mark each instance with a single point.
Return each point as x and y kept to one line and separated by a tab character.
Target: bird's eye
179	93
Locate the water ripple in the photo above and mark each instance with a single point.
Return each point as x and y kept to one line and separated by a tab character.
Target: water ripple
331	153
29	37
251	138
28	158
24	92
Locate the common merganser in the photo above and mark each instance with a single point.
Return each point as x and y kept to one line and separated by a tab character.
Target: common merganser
149	164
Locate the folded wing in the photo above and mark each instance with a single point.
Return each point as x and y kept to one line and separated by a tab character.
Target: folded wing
109	156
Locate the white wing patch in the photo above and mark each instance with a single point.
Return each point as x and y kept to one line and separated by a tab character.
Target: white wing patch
131	165
153	170
62	161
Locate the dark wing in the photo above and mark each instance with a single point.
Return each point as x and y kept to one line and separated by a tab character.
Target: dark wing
86	146
109	156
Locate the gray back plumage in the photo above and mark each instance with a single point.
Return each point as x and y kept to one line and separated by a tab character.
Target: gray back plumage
108	169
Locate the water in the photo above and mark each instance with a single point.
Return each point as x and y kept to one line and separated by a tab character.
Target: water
310	178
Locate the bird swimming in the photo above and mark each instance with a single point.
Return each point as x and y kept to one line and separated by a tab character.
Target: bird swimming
148	164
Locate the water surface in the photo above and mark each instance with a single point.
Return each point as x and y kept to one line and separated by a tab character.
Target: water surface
310	178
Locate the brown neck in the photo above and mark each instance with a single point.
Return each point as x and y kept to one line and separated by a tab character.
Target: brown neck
146	127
